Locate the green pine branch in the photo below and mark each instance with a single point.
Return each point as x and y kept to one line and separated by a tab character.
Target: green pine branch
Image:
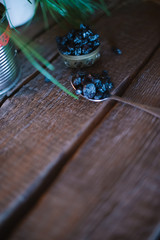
72	11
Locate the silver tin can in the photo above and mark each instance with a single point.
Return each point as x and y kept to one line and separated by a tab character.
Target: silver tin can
9	66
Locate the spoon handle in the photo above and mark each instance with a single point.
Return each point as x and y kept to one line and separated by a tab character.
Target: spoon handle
152	110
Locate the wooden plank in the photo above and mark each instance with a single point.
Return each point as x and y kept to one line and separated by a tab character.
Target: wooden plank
37	134
110	189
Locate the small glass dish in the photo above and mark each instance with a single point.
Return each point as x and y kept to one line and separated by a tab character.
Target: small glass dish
81	61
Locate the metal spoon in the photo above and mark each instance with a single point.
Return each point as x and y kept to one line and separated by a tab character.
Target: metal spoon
152	110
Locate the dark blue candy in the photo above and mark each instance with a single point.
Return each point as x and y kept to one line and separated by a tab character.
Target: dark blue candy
97	83
117	51
96	43
77	81
102	89
89	90
94	37
64	40
46	80
78	51
70	35
83	27
98	96
66	52
78	91
110	85
77	40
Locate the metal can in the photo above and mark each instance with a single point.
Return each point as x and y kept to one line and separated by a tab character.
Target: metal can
9	66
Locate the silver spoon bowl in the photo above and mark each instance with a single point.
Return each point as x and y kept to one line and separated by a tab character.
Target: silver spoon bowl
149	109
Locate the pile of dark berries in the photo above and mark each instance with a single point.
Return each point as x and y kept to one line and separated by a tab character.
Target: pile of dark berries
78	42
92	86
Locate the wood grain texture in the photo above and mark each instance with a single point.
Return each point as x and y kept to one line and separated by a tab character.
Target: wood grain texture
40	125
111	188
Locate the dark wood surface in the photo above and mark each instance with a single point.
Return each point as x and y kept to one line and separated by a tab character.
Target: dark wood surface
80	170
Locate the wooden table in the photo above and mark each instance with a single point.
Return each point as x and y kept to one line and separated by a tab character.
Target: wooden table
78	170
